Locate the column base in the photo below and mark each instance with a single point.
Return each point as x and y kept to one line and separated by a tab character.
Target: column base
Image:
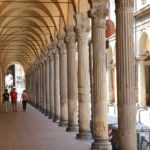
50	115
43	111
84	135
56	119
72	128
63	123
101	144
46	112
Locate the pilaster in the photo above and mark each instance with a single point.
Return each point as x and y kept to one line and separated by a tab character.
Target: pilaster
141	81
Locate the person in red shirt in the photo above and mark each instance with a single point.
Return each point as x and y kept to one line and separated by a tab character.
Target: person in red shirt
13	95
24	99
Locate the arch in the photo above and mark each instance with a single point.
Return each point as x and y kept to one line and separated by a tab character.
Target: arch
27	28
144	43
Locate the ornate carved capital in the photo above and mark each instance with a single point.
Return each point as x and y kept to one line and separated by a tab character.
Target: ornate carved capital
83	26
70	35
99	14
61	44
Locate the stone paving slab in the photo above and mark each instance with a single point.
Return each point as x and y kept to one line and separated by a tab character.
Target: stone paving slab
31	130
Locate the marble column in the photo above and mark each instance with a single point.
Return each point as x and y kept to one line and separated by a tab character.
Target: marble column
100	110
141	82
63	82
72	79
51	114
125	63
82	32
56	86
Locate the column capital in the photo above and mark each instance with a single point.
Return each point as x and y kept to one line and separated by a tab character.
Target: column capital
61	44
99	14
71	36
83	26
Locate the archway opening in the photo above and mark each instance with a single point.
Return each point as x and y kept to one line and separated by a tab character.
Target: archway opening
15	77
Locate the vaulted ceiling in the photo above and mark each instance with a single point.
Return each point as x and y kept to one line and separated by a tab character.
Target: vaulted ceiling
27	27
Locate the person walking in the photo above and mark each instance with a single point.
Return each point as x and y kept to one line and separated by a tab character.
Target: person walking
13	95
6	99
24	99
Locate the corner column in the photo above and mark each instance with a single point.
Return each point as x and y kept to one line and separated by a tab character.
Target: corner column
125	63
82	32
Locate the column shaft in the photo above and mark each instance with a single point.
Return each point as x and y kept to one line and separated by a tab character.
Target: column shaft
82	30
48	84
1	84
125	63
56	87
63	83
100	120
51	86
72	80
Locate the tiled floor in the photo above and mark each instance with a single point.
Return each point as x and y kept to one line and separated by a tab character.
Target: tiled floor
31	130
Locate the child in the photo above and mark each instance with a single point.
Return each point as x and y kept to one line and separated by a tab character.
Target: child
24	99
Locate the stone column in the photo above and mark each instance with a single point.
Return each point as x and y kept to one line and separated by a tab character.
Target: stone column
125	63
51	114
141	82
82	32
72	79
34	86
45	86
63	82
38	86
56	86
41	87
48	84
1	83
100	120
